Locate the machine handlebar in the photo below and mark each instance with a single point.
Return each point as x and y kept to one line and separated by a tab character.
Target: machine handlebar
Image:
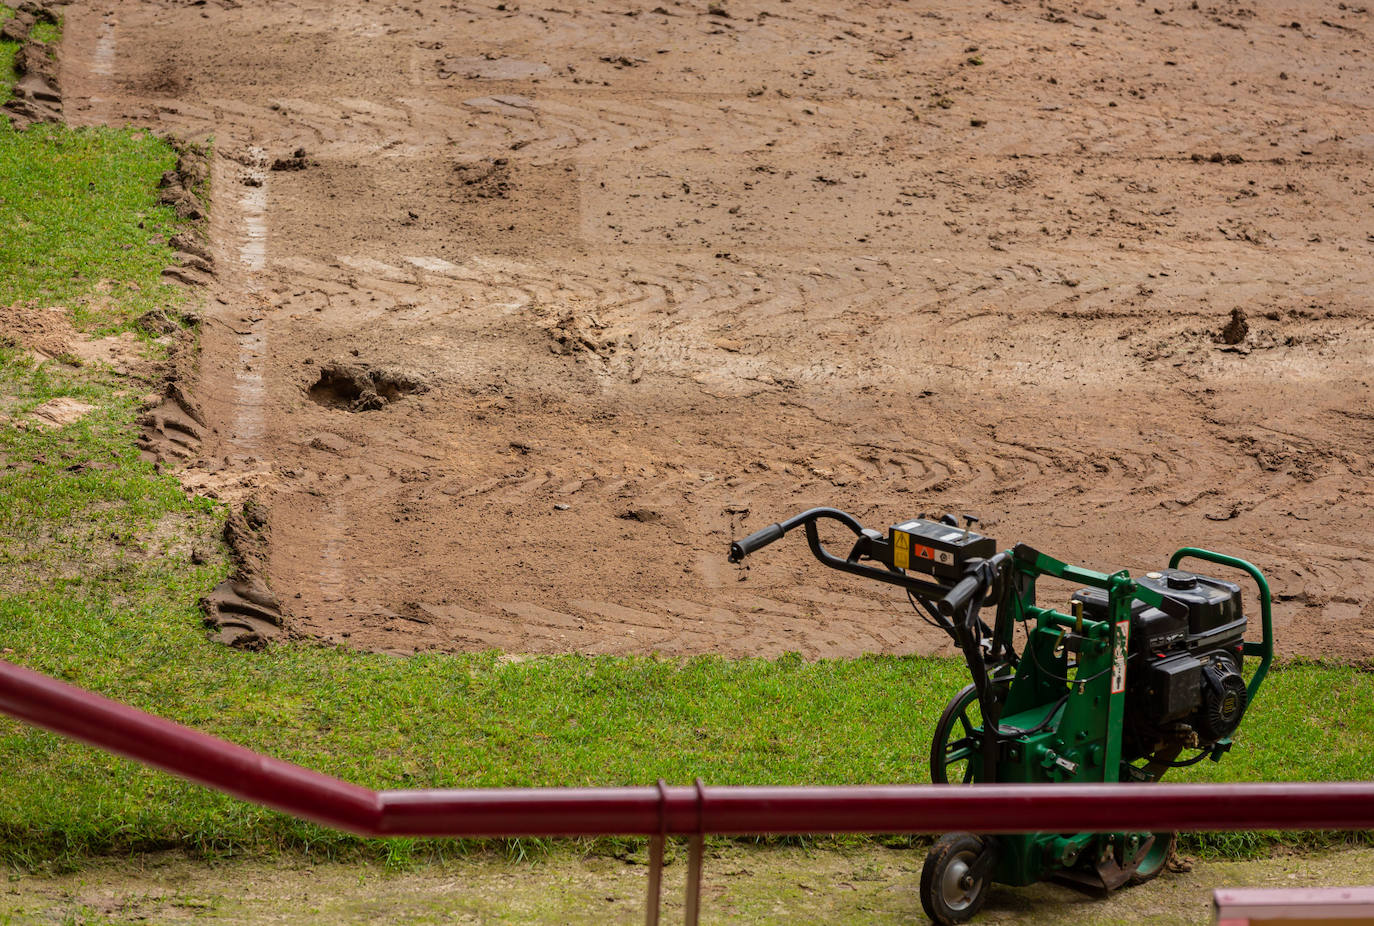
982	577
960	595
755	541
762	538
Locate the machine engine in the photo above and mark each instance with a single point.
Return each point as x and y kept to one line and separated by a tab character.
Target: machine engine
1184	682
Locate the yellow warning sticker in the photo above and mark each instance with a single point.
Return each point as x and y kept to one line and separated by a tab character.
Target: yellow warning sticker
901	550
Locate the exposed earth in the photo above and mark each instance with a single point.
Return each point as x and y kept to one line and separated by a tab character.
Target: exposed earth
754	885
523	310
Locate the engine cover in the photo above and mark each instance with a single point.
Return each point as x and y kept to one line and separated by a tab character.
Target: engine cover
1213	604
1174	688
1184	674
1223	700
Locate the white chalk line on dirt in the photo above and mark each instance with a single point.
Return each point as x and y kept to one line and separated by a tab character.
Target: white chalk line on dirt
250	387
331	552
253	207
103	58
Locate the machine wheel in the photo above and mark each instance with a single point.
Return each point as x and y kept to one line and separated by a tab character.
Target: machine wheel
954	754
1155	860
953	883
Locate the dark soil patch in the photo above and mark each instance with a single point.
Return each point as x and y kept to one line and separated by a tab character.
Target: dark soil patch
358	388
297	161
1236	329
486	179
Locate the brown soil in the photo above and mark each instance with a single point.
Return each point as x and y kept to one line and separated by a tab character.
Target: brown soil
35	96
44	333
754	885
711	269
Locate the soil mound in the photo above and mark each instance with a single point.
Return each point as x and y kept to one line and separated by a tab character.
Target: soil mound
36	94
358	388
172	426
242	611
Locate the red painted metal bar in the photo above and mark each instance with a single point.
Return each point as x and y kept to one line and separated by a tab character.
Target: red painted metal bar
647	811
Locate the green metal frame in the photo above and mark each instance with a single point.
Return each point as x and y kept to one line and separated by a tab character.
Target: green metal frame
1265	648
1065	704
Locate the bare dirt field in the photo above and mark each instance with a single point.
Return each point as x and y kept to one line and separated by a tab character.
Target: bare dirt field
523	310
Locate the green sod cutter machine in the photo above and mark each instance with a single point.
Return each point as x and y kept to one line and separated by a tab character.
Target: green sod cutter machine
1140	672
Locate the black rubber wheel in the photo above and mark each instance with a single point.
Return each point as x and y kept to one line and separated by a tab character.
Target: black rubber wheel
958	738
1156	859
950	893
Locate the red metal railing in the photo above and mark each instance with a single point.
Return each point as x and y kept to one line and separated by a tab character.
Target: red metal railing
660	810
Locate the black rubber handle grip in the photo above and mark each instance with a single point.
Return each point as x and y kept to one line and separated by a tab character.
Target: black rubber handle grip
755	541
960	595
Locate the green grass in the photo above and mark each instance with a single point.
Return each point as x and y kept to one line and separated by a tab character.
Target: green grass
7	52
45	32
102	559
82	228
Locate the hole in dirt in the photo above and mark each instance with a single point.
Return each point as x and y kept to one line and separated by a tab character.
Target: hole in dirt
358	388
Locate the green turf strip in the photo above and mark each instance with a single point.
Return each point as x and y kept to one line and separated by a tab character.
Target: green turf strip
102	560
82	228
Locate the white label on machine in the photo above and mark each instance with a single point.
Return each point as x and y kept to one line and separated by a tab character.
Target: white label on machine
1123	637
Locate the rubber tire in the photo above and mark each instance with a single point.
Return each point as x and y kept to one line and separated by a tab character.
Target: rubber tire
949	848
957	705
1156	860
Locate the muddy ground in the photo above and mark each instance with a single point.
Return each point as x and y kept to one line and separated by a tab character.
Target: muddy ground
870	885
523	310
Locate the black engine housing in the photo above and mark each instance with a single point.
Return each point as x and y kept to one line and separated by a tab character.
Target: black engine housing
1183	679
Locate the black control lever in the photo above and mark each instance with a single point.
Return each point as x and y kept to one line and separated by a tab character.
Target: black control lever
960	595
918	586
755	541
977	582
762	538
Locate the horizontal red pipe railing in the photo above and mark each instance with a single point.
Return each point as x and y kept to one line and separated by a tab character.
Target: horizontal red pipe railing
110	725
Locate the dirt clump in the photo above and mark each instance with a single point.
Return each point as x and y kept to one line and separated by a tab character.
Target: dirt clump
36	96
16	29
486	179
574	333
242	611
1218	158
182	188
44	332
159	322
357	387
172	426
189	244
296	161
178	187
1236	329
60	412
38	11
